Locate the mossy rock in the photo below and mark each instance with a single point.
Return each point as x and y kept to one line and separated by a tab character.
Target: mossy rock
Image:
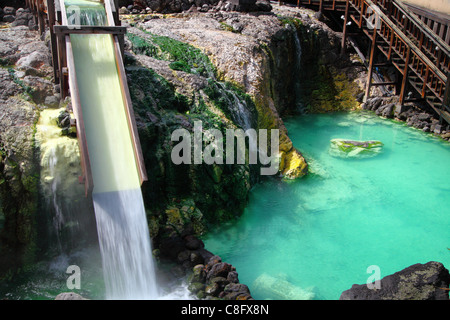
355	149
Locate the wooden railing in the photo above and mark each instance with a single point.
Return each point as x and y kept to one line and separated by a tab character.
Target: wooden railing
333	5
438	22
426	39
407	56
418	52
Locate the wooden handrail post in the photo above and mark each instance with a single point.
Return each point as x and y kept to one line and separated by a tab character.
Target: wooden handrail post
424	87
391	43
405	77
446	101
344	29
371	60
361	14
53	41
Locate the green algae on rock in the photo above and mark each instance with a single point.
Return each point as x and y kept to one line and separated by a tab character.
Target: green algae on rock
355	149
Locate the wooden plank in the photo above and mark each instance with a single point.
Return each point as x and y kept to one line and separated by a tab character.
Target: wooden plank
140	164
76	107
425	80
446	100
371	61
89	29
344	31
383	83
81	133
54	46
405	77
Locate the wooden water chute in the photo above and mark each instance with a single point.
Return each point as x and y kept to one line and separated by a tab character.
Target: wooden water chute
63	32
55	15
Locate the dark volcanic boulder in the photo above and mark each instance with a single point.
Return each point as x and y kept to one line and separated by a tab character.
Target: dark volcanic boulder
417	282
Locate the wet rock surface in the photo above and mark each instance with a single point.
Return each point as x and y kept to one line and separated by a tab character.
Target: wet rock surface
414	115
25	87
428	281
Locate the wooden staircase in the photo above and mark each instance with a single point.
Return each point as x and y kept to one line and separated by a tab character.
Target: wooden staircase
419	53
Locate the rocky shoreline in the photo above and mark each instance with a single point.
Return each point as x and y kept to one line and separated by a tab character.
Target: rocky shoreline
251	52
411	114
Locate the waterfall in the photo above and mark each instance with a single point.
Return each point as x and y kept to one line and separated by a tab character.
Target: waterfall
240	113
125	245
58	218
297	67
122	228
59	179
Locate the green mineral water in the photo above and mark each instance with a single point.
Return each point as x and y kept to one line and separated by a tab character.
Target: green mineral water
351	216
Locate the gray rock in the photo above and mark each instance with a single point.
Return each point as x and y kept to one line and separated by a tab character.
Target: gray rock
69	296
51	101
438	129
34	60
7	86
23	18
424	116
41	88
9	10
124	10
212	289
220	269
417	282
234	291
9	18
388	111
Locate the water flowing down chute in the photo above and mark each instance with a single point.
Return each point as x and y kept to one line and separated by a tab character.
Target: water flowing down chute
123	233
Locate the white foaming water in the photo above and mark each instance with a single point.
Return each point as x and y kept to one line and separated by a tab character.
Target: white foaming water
125	245
298	49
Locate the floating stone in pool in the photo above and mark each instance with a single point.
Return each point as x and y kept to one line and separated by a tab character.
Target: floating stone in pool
355	149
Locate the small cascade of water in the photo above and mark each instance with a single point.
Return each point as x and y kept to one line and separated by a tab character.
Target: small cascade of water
58	218
87	13
59	178
125	245
240	112
297	85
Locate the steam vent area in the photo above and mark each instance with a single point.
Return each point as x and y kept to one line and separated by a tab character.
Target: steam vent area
205	152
